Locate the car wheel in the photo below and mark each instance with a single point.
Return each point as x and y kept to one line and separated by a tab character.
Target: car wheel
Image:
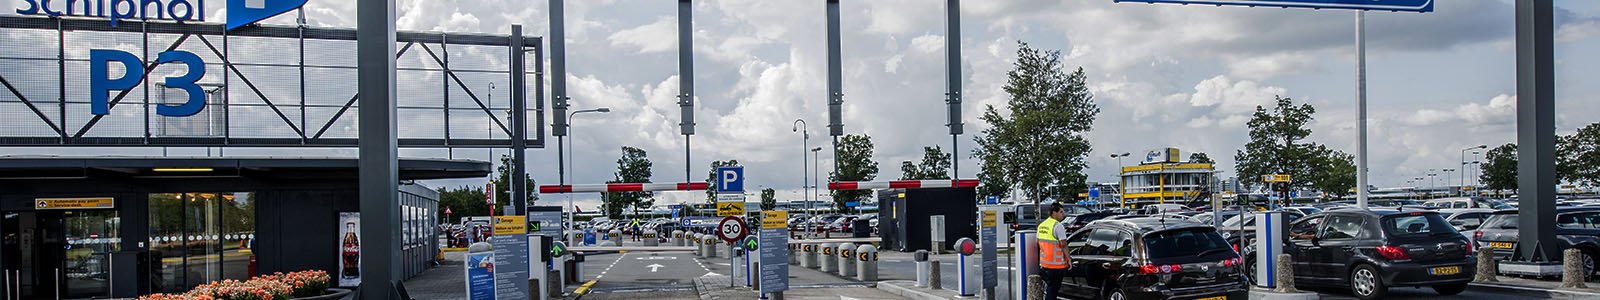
1366	284
1450	289
1588	264
1115	294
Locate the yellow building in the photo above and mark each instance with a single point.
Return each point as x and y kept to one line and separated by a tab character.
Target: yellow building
1164	178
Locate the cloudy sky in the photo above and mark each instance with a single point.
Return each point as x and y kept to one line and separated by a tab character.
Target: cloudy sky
1163	75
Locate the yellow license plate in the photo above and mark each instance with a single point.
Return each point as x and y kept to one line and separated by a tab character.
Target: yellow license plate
1502	245
1214	298
1439	271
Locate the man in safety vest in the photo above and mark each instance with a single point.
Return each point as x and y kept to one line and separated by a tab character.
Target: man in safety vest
1053	259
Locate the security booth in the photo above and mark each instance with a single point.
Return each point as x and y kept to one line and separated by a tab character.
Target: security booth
99	227
904	216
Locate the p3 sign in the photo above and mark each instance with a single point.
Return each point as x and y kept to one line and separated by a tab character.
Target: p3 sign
101	83
730	180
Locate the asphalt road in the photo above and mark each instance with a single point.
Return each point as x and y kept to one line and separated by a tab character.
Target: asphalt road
642	275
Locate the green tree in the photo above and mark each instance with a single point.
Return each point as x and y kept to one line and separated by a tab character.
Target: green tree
935	165
1333	172
463	201
1272	148
633	167
711	177
854	159
1500	168
1578	156
502	191
1201	158
769	199
1040	146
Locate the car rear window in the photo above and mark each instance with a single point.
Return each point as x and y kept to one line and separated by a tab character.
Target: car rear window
1416	224
1183	242
1500	221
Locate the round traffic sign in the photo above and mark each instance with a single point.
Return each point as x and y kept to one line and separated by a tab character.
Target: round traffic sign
558	249
731	229
751	244
966	246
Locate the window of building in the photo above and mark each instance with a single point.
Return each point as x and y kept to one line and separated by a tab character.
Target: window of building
197	238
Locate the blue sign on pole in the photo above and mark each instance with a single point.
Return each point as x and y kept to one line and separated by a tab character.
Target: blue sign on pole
991	200
730	180
852	204
480	275
1389	5
1094	192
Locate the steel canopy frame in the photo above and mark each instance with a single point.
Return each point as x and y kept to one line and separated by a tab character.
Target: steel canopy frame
55	130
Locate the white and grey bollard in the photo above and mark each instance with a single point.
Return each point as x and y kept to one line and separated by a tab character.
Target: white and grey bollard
935	280
650	239
711	246
921	259
867	263
810	252
692	240
677	238
847	260
830	261
616	237
794	254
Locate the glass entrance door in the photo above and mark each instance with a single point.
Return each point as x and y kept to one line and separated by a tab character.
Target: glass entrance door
91	236
62	252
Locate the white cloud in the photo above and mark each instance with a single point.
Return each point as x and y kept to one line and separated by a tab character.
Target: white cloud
661	36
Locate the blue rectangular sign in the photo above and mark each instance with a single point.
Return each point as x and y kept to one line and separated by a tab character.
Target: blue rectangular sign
730	180
852	204
1389	5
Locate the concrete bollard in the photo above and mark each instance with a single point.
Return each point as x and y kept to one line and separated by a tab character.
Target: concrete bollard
1036	283
711	247
1486	266
1572	269
575	238
867	263
755	281
810	253
650	239
847	260
935	281
677	238
921	259
693	245
830	260
615	237
1285	274
794	254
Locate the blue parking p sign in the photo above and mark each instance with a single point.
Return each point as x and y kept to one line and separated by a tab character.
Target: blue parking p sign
730	180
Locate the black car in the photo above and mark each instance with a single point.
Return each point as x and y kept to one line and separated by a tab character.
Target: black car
1577	227
1076	221
1153	258
1369	251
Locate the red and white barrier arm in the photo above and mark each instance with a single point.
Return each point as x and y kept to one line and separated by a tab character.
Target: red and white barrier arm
901	184
623	187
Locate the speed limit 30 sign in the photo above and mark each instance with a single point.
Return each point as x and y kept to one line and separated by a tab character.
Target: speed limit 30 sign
731	229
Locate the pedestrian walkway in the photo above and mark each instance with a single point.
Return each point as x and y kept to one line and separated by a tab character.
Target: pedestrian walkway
716	288
441	282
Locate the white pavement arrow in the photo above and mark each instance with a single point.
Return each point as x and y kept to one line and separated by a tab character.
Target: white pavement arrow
654	267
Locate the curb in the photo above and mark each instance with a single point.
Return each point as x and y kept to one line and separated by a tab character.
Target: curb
902	288
1545	292
584	289
452	249
1259	293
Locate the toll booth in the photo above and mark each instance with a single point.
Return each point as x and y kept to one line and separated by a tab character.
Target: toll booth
903	216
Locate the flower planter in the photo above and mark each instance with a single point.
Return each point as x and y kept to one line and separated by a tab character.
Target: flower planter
333	294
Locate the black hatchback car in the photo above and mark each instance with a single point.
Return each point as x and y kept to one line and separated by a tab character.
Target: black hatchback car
1153	258
1369	251
1576	227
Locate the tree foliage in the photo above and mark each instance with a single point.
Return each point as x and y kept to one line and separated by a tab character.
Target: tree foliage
1578	156
711	177
1039	146
769	199
1201	158
1500	168
463	201
853	156
1274	148
1333	172
633	167
935	165
503	191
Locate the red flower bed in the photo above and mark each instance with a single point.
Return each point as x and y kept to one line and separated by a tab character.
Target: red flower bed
278	286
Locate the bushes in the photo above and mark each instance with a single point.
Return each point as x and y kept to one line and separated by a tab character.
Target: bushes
278	286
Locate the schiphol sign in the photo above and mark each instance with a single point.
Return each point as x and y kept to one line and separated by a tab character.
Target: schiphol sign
240	13
1389	5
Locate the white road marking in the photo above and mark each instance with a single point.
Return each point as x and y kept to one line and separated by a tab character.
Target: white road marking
613	264
654	267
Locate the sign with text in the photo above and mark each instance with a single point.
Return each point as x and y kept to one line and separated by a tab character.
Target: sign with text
73	203
545	220
1275	178
774	251
510	225
730	205
775	219
990	261
480	275
511	254
1389	5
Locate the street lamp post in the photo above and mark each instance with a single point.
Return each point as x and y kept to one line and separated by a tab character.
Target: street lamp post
1446	178
573	209
805	143
1464	160
1122	185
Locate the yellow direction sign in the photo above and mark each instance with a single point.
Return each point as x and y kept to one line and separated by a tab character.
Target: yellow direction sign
988	218
730	209
1275	178
510	225
73	203
774	219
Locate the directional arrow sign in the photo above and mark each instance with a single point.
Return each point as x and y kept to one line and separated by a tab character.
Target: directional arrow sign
1389	5
558	249
654	267
751	244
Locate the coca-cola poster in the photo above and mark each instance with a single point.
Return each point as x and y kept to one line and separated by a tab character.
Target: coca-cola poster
349	249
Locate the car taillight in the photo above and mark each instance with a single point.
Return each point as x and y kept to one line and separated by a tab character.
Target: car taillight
1160	269
1232	262
1393	253
1469	250
1476	235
